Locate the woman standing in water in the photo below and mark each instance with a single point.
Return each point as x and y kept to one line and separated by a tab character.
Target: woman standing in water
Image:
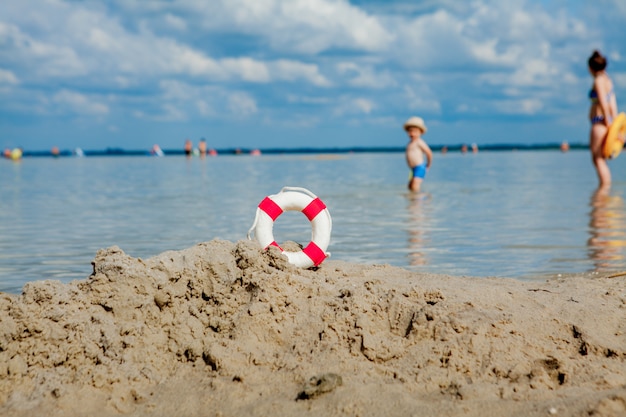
601	113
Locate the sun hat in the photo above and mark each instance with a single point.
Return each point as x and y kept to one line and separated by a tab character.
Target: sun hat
416	122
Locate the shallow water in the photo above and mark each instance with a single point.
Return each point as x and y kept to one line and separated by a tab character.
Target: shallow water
525	215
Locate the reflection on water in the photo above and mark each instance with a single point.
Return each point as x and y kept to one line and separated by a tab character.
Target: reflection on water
607	229
418	228
491	214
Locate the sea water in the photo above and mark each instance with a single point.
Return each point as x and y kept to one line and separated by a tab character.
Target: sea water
525	214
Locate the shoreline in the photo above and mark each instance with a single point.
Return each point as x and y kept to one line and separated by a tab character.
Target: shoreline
225	328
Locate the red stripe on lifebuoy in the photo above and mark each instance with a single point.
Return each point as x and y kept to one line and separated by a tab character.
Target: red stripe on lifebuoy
270	208
313	208
314	252
275	244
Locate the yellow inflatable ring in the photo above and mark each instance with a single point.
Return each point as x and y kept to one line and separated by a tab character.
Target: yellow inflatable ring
300	199
614	142
16	154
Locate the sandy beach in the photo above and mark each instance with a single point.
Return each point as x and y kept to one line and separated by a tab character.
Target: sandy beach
227	329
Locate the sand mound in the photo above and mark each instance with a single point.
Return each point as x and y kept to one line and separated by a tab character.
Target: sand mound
226	329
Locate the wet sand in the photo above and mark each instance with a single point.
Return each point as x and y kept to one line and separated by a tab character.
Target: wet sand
227	329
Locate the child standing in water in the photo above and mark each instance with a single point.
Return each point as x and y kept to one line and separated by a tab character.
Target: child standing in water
416	150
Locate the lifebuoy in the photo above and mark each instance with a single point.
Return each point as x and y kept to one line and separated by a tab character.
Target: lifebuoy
614	141
295	199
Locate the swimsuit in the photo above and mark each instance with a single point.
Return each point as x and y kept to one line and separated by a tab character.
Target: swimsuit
593	96
419	171
597	119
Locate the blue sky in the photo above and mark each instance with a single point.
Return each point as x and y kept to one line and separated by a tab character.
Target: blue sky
300	73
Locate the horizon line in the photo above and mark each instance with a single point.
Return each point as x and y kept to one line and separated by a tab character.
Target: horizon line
118	151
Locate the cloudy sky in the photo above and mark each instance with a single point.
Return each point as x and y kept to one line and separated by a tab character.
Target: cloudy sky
300	73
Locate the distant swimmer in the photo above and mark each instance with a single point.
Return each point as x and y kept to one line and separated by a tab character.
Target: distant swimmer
188	147
416	151
602	112
156	151
202	147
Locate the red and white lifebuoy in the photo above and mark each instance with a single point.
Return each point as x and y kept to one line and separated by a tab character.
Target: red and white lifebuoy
295	199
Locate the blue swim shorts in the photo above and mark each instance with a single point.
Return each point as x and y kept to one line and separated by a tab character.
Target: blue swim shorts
419	171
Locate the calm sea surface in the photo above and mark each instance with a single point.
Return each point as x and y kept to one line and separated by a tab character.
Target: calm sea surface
526	215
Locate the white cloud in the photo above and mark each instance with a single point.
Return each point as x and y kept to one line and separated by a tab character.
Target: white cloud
326	24
304	26
100	40
171	113
493	34
174	58
92	42
191	59
204	108
246	69
79	103
620	79
7	77
431	41
522	55
366	106
287	70
524	106
423	100
241	105
531	73
122	82
177	90
106	48
185	100
466	108
295	121
364	75
175	22
39	57
164	112
292	98
353	106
